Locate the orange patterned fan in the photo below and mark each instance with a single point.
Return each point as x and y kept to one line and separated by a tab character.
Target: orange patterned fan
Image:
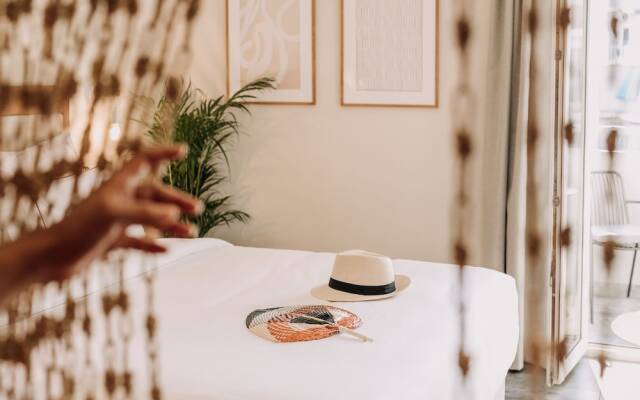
303	323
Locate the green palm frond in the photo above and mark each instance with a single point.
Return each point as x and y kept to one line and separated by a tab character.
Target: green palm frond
208	126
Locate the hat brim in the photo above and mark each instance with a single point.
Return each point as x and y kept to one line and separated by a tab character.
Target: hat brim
324	292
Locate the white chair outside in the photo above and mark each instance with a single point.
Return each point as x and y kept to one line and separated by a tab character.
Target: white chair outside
610	219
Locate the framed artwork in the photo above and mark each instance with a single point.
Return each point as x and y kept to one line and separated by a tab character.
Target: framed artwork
272	38
390	53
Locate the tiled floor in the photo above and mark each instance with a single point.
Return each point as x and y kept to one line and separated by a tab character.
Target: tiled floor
620	381
609	302
580	385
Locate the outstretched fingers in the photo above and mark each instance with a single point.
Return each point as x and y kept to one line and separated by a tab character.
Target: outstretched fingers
136	171
164	194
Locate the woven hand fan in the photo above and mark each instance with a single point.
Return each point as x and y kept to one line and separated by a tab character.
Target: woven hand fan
302	323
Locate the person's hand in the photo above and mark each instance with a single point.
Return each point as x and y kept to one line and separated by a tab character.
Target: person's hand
99	223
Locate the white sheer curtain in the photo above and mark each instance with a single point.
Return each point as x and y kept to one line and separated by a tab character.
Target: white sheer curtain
504	199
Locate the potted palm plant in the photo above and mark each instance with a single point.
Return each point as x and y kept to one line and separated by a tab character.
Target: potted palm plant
207	126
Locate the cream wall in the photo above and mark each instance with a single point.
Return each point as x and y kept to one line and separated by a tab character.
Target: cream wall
329	178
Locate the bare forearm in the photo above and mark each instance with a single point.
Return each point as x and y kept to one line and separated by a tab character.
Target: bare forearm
19	261
98	224
52	254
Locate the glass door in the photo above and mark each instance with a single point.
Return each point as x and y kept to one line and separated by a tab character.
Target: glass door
568	280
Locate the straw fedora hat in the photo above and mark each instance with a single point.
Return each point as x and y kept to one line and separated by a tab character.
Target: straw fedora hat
360	276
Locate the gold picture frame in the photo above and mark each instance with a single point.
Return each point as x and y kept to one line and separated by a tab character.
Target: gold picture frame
311	98
436	67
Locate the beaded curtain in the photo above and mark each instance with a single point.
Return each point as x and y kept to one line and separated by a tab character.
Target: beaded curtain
105	53
463	113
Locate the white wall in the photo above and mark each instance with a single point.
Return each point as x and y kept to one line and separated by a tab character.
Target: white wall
330	178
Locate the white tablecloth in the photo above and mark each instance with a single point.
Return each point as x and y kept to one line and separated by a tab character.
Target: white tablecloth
208	353
205	289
